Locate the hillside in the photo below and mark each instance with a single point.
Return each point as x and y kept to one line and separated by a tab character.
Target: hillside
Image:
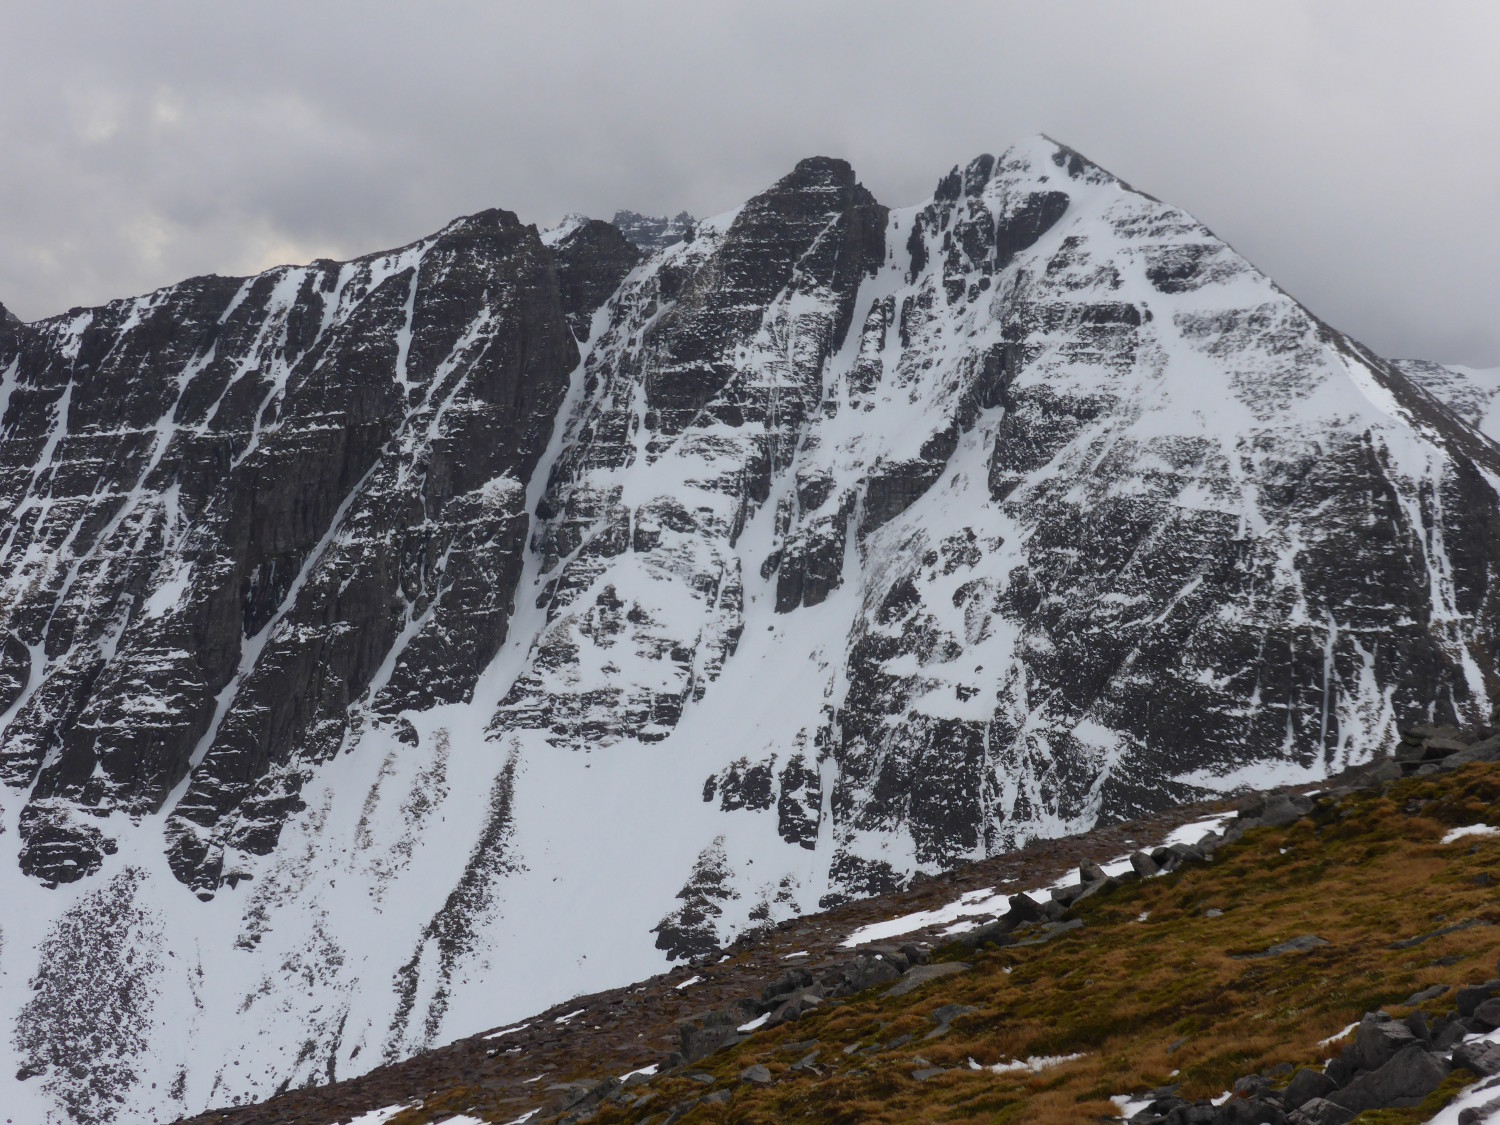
1235	980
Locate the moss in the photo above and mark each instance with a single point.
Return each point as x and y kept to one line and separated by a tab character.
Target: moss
1451	1087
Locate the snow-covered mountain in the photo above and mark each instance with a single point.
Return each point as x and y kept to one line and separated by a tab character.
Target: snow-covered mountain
398	646
1472	392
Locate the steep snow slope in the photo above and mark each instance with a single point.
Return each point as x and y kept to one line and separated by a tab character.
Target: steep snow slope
466	669
1471	392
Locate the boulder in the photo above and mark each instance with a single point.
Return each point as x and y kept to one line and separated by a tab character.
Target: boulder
1449	1034
1305	1085
795	1005
1144	865
1405	1080
991	933
1474	1114
700	1042
1282	810
1321	1111
1482	1058
1377	1041
1430	993
788	982
1023	908
1487	1015
915	978
1297	945
1486	751
1416	1023
1469	999
756	1075
1250	1111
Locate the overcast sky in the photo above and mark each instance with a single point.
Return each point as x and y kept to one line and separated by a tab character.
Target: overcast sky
1350	149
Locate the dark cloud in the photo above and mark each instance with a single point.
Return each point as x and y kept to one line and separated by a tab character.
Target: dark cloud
1351	149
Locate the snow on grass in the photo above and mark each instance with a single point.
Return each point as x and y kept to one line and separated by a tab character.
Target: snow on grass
973	903
790	956
755	1024
692	980
959	915
1192	833
507	1031
648	1071
1344	1034
570	1016
377	1116
1129	1106
1035	1064
525	1117
1470	830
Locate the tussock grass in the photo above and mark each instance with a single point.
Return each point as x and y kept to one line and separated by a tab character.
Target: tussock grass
1167	1000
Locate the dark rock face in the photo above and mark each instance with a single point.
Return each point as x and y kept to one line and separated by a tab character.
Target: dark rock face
1403	1080
591	260
670	381
651	233
232	502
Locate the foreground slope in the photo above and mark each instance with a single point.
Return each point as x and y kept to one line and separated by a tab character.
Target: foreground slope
395	647
1225	991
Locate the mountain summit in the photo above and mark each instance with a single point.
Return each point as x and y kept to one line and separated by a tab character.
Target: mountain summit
395	646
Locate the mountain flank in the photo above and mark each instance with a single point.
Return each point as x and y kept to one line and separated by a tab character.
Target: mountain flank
1323	956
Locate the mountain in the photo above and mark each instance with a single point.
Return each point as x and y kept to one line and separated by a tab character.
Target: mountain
397	646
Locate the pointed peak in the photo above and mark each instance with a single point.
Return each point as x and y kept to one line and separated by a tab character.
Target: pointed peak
8	318
571	224
1037	157
1041	153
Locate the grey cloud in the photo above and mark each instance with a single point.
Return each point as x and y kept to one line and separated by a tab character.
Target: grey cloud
1352	150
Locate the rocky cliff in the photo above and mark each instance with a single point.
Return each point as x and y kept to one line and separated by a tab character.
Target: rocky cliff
398	645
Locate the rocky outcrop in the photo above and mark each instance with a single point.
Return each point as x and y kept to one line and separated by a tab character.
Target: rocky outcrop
652	233
250	499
